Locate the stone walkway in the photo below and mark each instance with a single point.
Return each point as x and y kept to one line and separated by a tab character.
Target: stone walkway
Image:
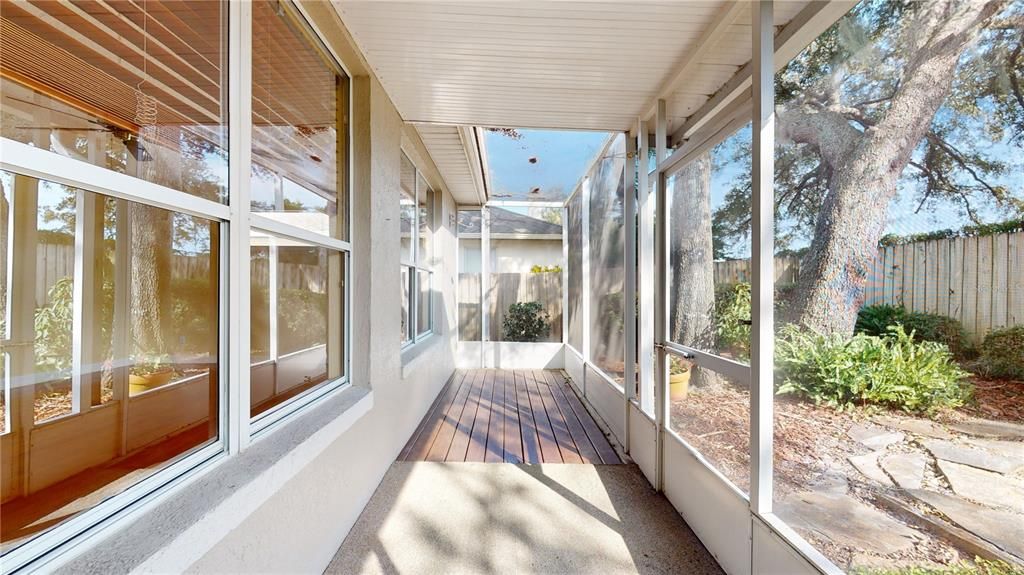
963	482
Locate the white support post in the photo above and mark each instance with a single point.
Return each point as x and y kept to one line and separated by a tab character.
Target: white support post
21	346
762	349
631	166
88	239
485	286
236	409
661	402
645	279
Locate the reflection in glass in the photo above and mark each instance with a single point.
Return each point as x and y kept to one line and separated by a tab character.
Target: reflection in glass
156	111
407	210
423	303
407	291
297	317
298	139
120	372
426	221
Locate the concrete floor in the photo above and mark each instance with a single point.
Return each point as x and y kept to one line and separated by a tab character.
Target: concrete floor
508	518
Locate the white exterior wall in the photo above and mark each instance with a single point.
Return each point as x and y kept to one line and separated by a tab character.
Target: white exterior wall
511	256
286	507
300	527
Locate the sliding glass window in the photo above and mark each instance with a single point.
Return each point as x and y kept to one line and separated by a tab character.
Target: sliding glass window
299	197
416	217
112	193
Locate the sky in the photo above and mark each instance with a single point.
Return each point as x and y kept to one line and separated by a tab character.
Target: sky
562	157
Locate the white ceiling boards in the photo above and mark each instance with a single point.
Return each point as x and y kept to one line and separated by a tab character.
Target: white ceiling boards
568	65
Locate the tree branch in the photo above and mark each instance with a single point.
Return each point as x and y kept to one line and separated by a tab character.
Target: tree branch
958	157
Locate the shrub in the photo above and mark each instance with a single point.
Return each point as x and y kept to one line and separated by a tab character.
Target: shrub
891	370
1002	353
546	269
732	312
877	319
526	321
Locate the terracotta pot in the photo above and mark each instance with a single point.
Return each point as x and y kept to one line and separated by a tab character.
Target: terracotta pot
140	383
678	385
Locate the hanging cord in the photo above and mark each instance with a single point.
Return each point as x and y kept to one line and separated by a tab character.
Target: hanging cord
145	105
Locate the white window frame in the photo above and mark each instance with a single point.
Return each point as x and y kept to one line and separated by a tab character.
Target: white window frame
236	429
420	262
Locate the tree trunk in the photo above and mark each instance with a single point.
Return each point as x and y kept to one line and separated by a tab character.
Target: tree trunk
691	261
866	166
151	235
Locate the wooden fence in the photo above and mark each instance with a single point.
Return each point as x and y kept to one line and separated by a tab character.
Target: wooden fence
507	289
978	281
57	261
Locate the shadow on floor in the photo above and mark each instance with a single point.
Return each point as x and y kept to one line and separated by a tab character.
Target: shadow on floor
506	518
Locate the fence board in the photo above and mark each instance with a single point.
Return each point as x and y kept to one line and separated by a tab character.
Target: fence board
983	313
970	275
999	283
1015	274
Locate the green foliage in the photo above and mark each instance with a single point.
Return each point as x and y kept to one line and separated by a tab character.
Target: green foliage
891	370
978	567
193	310
877	319
546	270
526	321
301	321
732	312
980	230
53	323
1002	353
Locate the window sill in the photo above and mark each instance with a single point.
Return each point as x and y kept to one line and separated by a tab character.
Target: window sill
175	530
412	355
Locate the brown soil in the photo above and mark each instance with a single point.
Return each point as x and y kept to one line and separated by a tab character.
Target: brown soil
812	448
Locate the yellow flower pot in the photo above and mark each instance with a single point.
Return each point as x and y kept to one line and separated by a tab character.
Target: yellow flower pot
678	385
140	383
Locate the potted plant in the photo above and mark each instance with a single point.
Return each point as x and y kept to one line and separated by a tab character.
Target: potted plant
150	373
678	378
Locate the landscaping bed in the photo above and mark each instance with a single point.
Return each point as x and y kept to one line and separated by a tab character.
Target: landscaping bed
904	465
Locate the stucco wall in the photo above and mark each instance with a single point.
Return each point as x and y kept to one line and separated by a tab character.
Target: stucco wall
299	528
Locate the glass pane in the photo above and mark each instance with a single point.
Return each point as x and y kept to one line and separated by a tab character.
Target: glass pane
145	96
426	222
407	290
575	272
297	318
424	303
899	309
407	210
145	284
607	259
299	130
470	313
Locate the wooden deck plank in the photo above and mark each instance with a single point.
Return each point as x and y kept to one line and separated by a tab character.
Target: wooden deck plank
597	437
514	416
527	424
572	439
464	427
419	443
513	442
548	444
478	438
443	440
496	430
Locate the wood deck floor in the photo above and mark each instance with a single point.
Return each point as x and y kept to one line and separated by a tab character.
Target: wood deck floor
511	416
